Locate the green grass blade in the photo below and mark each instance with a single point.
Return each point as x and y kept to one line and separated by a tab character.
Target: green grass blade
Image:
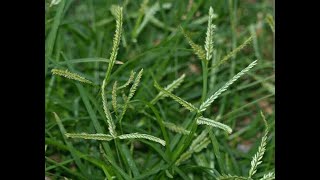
50	41
216	150
130	160
70	146
61	165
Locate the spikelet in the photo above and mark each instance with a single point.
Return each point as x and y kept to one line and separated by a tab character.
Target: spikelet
135	85
184	103
175	128
257	158
197	49
142	136
208	102
197	145
231	177
209	38
132	73
117	12
131	93
175	84
213	123
199	138
114	97
270	21
100	137
268	176
54	2
185	156
111	125
70	75
203	144
232	53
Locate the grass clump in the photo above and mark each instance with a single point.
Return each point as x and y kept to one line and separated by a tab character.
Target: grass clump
127	125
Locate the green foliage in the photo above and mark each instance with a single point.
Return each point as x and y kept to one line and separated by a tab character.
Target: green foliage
129	126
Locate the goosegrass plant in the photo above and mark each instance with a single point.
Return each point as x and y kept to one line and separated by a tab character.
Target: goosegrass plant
177	150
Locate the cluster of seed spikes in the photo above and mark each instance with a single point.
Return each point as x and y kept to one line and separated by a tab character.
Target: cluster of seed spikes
201	141
256	160
117	12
